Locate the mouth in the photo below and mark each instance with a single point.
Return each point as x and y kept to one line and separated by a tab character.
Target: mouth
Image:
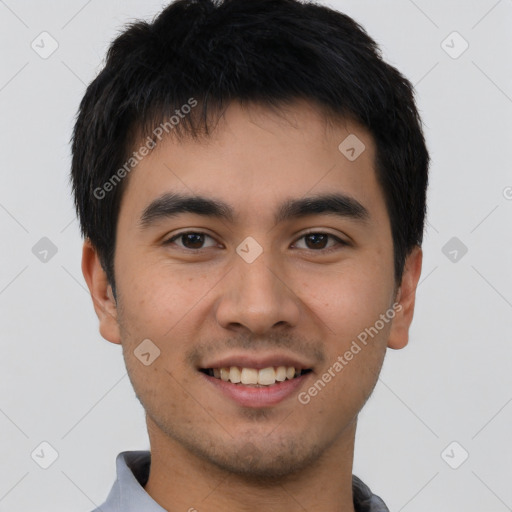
255	377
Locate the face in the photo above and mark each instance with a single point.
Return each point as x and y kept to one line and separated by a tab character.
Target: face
258	281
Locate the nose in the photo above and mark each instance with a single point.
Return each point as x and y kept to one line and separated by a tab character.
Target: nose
258	296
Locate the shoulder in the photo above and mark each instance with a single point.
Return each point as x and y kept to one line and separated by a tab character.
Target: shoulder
364	499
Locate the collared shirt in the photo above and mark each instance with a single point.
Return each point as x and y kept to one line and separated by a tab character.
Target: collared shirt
128	494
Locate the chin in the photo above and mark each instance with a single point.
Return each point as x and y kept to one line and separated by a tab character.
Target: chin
262	461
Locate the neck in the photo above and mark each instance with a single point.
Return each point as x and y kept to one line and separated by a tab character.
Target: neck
179	480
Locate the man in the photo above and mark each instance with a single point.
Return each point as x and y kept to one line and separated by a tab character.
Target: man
250	179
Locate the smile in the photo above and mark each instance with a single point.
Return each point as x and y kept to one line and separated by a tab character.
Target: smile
255	377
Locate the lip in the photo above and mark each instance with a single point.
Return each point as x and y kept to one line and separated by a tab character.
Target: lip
257	361
265	396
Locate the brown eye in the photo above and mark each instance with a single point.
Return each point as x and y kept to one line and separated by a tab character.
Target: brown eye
190	240
319	241
316	240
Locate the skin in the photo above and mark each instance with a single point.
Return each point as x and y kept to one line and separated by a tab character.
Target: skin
208	452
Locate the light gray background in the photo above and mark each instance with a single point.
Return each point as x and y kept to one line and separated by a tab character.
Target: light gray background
63	384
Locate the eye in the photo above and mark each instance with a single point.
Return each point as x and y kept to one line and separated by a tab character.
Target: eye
193	240
316	241
319	241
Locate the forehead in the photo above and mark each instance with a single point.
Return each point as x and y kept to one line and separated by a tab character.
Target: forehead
255	157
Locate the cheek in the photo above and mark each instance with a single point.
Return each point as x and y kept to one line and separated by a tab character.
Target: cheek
349	301
169	308
159	296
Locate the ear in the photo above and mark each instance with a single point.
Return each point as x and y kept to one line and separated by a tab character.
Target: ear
101	293
406	295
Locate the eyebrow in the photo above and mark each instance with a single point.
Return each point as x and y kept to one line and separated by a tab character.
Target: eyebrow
171	205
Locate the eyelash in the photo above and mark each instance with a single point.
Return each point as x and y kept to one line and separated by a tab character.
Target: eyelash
339	241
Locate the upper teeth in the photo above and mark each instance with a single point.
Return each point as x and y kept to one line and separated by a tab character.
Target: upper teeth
263	377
